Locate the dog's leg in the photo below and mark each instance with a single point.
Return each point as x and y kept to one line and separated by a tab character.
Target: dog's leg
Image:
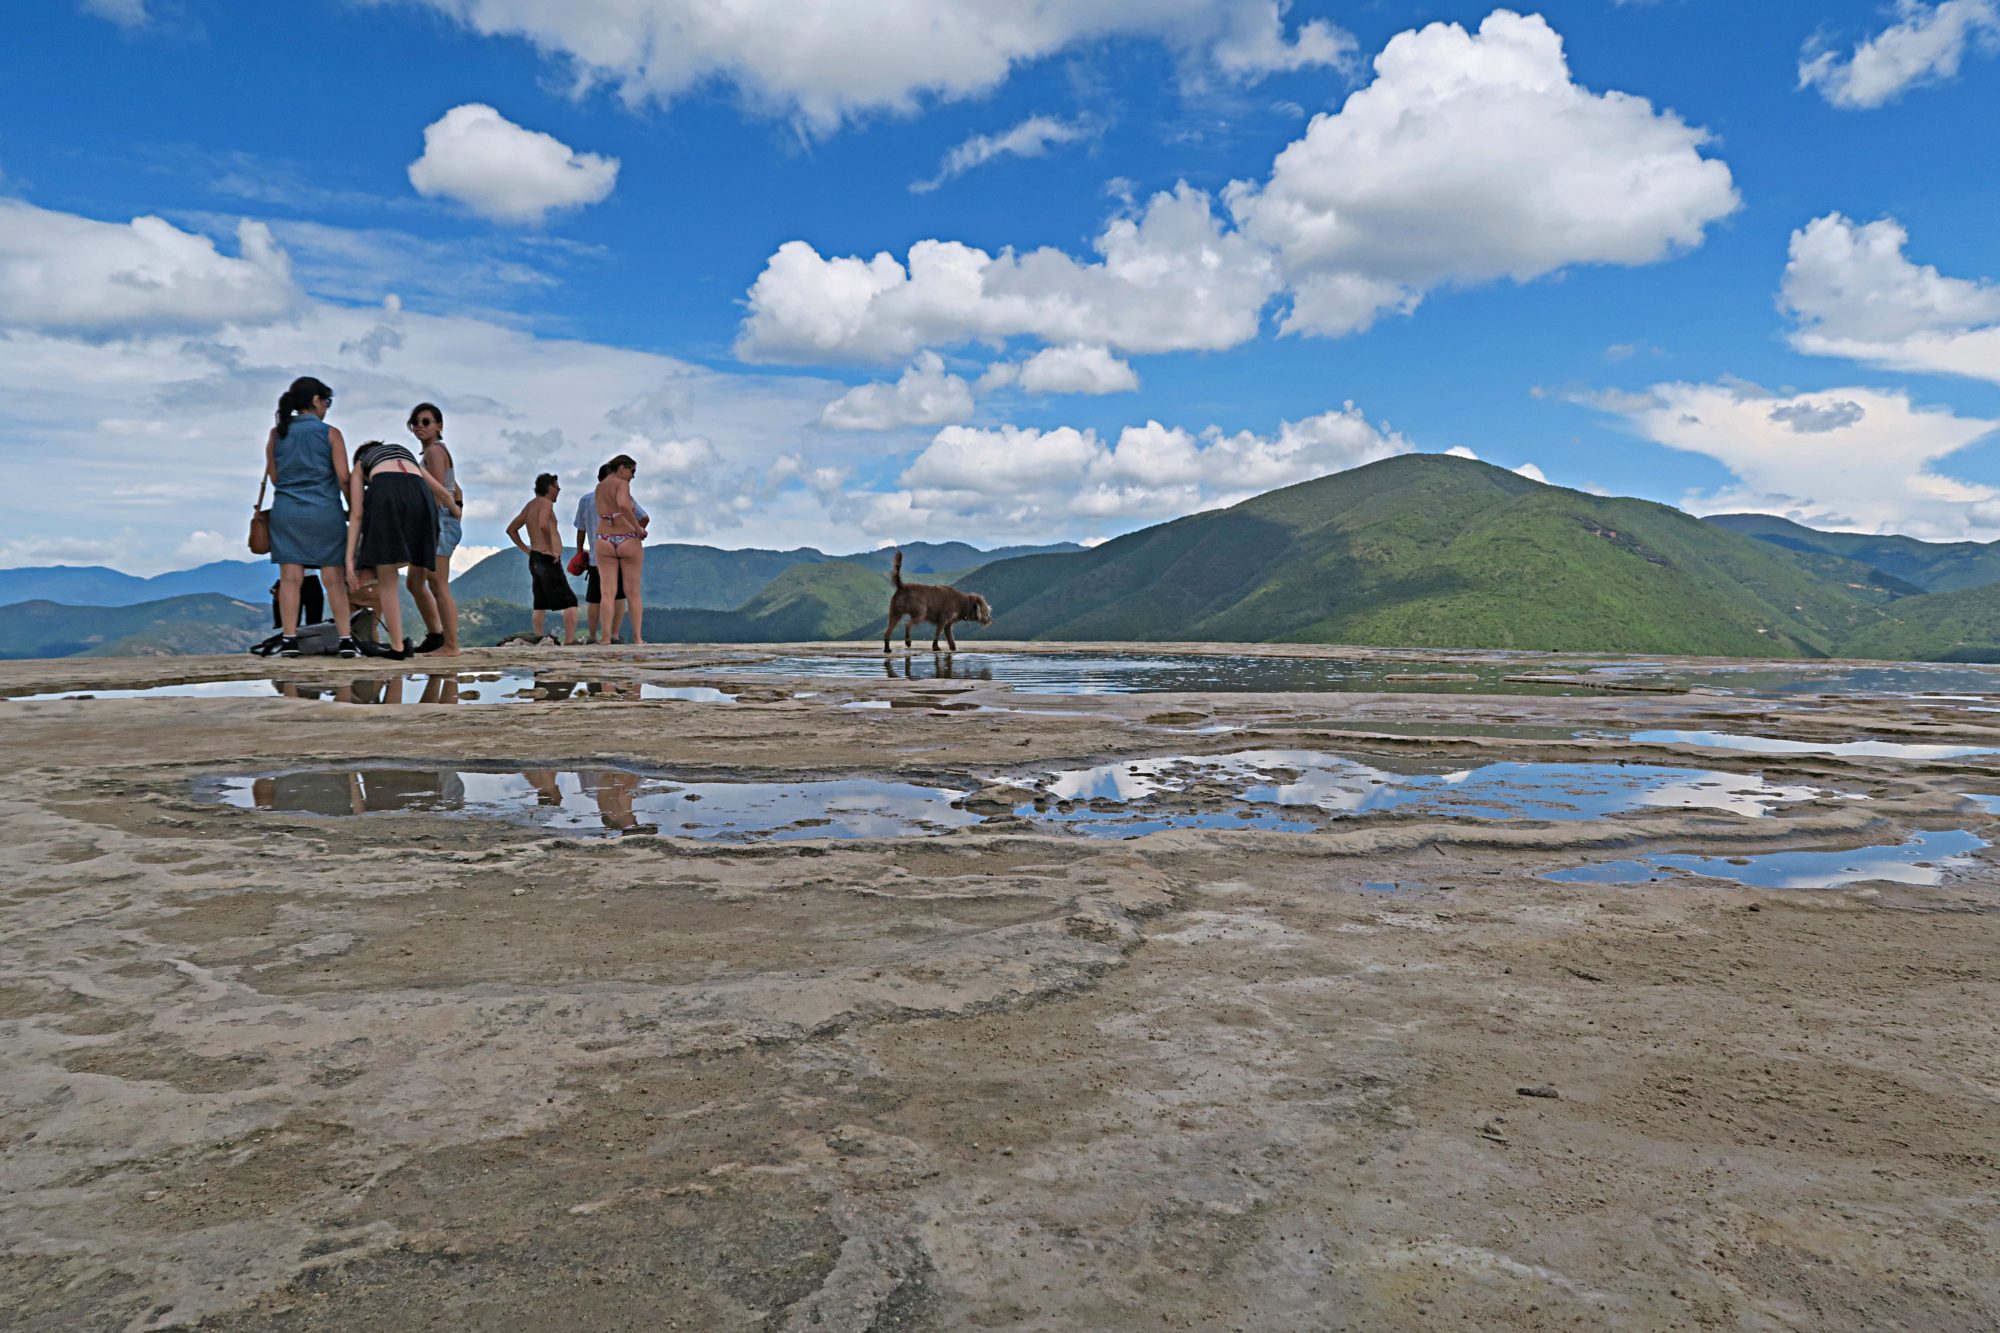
908	625
893	618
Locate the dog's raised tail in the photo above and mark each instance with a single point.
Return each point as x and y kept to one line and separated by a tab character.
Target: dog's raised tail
896	570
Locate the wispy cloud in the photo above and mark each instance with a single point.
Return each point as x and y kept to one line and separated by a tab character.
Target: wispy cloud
1033	137
1926	47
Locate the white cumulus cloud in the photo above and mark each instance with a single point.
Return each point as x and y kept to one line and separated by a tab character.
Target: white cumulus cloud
1031	138
1927	46
926	395
1173	277
1070	368
1852	293
1032	482
475	156
65	273
1419	178
1863	460
1417	181
822	64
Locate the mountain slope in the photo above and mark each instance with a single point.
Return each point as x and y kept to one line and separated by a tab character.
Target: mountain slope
709	578
1431	551
807	602
1928	566
676	575
1962	626
94	585
200	623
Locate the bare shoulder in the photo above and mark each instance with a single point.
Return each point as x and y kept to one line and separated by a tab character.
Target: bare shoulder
333	434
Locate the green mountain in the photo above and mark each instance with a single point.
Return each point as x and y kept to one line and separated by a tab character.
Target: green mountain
807	602
709	578
1962	626
1927	566
1426	550
676	575
198	623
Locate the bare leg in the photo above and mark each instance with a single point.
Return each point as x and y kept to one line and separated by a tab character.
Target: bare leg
290	577
569	625
609	608
538	619
334	580
447	606
420	593
634	593
392	605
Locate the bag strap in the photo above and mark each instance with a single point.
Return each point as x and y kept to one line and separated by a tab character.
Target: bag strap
263	482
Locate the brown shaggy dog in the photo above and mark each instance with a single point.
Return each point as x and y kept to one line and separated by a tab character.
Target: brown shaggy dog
942	606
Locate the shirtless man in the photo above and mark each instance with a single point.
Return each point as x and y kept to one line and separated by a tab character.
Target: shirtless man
544	551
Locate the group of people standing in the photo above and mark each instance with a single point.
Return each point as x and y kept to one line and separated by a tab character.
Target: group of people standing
611	527
362	523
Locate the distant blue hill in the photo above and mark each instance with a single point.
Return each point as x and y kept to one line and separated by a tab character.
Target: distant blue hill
94	585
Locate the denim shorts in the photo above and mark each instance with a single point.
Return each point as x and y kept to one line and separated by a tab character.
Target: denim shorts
450	533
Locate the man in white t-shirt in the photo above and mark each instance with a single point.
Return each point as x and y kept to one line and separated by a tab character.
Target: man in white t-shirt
604	625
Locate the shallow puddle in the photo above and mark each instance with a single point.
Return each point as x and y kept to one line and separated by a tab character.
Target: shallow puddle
1923	860
1274	789
1915	679
491	687
612	800
1722	740
1167	673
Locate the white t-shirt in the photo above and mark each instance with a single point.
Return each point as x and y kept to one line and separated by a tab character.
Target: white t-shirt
586	520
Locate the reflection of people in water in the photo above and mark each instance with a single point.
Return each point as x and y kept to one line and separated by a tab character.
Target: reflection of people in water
310	793
440	689
613	789
548	790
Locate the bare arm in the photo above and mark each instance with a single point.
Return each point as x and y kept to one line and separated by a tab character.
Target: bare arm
356	488
271	456
436	459
444	497
514	530
339	447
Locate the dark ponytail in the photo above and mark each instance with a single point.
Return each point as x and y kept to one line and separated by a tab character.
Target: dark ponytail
297	399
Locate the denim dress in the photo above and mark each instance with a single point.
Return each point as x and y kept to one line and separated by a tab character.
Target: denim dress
308	516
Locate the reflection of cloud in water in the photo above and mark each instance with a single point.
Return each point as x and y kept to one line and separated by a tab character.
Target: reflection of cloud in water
599	798
1339	785
1723	740
1922	861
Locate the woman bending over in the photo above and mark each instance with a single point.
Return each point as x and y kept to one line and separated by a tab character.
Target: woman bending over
393	506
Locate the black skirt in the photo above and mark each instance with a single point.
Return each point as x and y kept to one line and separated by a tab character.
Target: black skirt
399	523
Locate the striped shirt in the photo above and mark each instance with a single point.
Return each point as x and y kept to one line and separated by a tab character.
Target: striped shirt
371	456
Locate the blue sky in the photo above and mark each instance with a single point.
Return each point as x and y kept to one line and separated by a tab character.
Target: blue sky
1166	254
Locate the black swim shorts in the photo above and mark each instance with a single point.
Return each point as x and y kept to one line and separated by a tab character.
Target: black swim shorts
594	590
552	590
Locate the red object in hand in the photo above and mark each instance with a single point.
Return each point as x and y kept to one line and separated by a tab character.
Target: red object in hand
579	562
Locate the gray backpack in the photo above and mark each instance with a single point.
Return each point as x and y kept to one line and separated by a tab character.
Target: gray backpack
321	640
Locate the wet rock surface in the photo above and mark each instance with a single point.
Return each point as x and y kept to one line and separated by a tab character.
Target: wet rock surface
270	1071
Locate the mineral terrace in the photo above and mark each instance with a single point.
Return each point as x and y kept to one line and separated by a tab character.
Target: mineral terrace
273	1069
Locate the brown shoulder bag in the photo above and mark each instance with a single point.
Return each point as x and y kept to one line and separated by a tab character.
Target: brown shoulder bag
260	522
